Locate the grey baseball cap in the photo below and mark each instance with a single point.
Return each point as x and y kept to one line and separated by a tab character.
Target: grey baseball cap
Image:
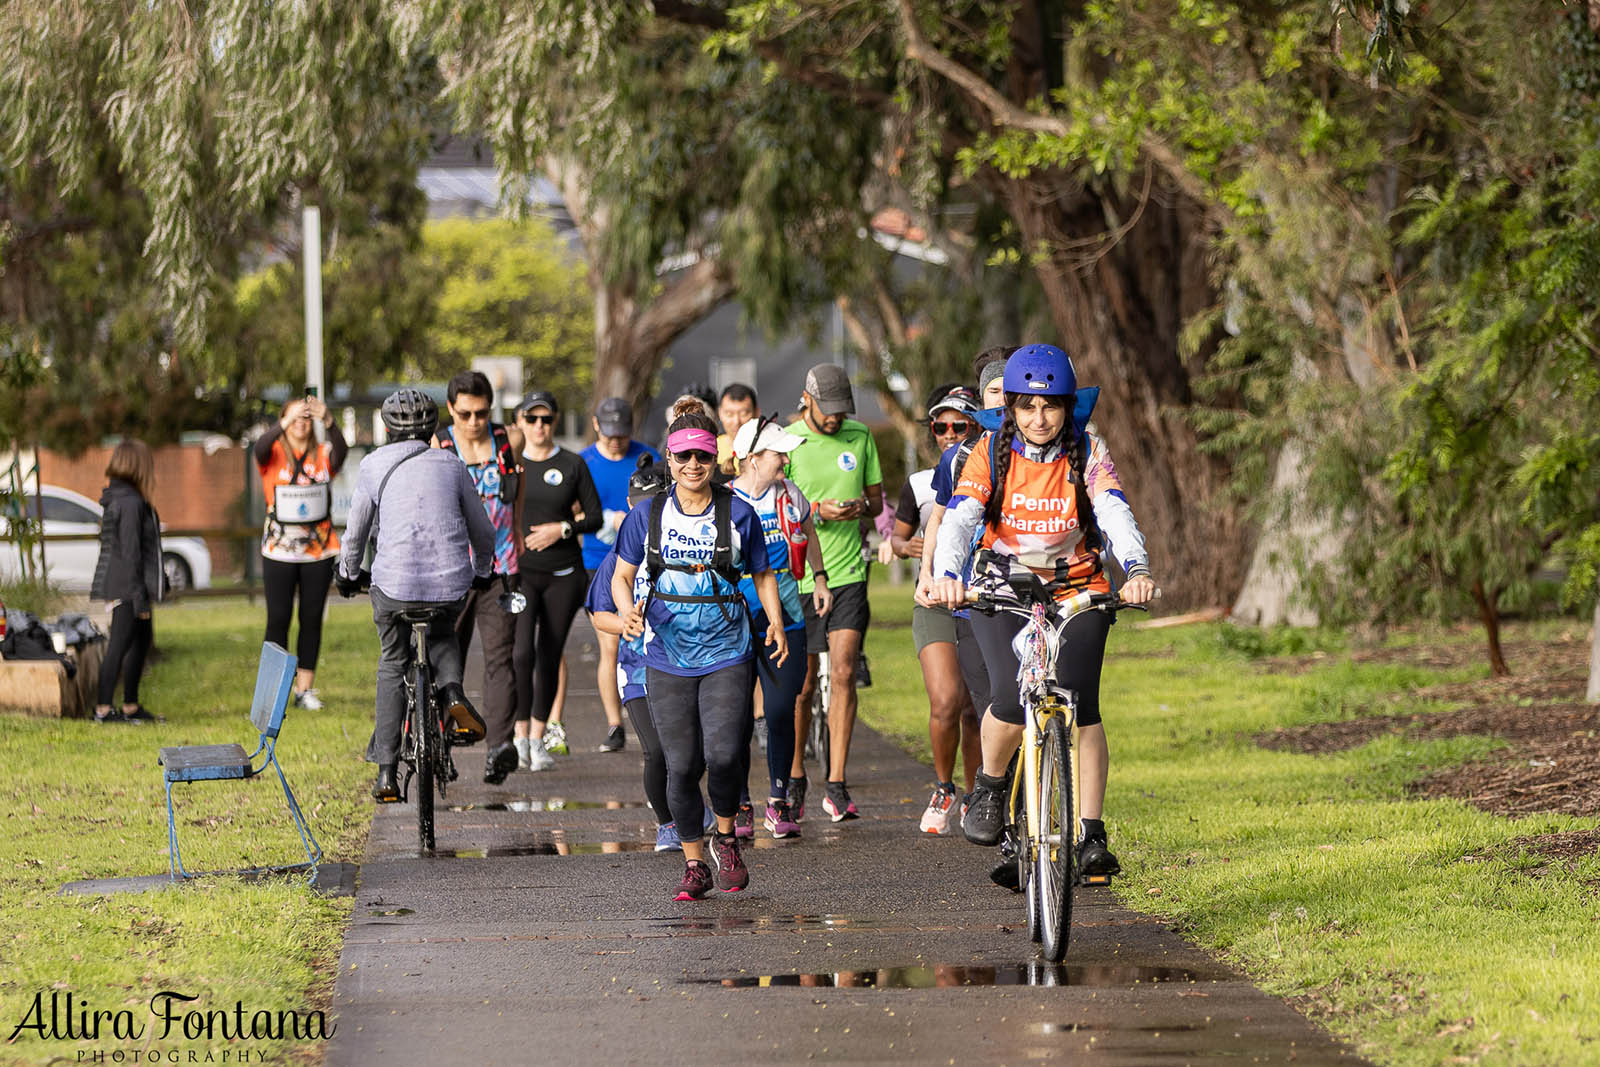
615	416
829	386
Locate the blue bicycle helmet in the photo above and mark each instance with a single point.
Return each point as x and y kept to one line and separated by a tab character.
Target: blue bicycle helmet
1040	370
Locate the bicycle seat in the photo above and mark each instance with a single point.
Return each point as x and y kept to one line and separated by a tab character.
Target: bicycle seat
428	614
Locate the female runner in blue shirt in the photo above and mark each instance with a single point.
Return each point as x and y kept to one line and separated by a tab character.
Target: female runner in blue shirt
699	654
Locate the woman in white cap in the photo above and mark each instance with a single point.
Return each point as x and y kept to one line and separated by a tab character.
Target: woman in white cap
761	449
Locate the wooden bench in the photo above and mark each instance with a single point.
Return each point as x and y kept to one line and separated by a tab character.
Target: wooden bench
222	763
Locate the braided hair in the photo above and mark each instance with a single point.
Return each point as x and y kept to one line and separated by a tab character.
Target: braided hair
1074	445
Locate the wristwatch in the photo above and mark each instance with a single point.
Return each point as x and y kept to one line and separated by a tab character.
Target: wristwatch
566	529
818	572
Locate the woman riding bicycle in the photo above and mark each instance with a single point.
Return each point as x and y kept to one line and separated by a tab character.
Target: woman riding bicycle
1050	492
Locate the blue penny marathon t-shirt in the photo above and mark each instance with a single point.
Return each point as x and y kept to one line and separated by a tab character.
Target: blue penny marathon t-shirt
694	639
766	508
611	479
630	653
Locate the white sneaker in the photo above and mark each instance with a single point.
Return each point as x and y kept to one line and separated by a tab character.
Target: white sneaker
538	758
555	739
308	699
941	806
521	744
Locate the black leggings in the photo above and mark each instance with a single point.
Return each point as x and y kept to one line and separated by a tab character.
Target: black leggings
780	688
705	725
553	601
125	651
655	761
1083	650
312	579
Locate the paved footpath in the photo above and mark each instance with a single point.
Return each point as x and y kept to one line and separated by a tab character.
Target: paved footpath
542	931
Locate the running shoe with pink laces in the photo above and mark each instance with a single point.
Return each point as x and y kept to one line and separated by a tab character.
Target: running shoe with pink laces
837	803
941	809
696	881
732	874
779	821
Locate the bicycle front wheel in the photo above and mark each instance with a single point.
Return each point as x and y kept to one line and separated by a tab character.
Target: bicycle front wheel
425	728
1055	840
1017	825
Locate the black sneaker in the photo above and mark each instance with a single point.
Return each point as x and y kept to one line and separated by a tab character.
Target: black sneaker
501	761
837	803
797	798
385	790
985	817
1094	858
863	672
465	724
615	739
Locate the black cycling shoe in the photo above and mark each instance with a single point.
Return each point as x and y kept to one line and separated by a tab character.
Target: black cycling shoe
1094	858
863	672
467	725
501	761
985	816
386	790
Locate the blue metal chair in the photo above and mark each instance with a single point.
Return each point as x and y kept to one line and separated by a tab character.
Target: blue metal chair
217	763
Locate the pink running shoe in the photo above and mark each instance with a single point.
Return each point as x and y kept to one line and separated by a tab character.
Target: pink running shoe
731	873
696	881
778	820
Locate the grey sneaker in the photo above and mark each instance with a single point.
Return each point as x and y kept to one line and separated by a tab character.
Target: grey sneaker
308	699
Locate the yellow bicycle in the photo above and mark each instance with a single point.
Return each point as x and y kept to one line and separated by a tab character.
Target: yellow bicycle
1043	802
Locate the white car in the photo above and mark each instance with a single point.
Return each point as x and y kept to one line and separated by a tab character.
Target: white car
185	561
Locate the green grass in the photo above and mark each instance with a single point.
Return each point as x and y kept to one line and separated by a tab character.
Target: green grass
86	801
1403	925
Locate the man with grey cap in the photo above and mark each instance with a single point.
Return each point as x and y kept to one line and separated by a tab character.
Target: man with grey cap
611	460
838	471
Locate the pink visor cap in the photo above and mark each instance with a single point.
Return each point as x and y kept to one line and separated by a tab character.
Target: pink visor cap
690	440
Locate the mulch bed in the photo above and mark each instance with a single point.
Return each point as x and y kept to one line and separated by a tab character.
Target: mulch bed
1553	761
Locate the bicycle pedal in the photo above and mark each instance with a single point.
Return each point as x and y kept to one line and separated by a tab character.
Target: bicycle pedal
1094	879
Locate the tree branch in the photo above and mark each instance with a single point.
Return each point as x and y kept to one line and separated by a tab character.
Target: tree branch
1003	112
686	300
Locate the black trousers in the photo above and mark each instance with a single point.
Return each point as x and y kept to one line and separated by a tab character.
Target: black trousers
126	649
497	632
655	761
554	600
1083	650
705	725
312	580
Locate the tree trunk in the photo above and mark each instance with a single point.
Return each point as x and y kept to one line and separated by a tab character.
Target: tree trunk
1593	693
1488	611
1267	597
1119	303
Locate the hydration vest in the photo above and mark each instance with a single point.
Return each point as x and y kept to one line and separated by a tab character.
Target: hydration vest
721	565
505	459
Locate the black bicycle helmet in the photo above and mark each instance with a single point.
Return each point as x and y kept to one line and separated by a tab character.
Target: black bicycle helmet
410	415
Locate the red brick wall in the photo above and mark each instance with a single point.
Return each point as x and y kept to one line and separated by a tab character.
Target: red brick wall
194	490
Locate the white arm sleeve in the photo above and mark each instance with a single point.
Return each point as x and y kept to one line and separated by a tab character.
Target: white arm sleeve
954	546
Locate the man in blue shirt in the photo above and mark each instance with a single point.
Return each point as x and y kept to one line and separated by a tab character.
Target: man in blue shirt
612	459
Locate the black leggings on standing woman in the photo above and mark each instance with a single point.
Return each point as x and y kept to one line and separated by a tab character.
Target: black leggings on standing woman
125	652
553	601
655	761
281	580
705	724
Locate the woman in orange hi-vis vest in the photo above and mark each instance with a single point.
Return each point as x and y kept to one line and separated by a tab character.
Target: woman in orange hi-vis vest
1051	492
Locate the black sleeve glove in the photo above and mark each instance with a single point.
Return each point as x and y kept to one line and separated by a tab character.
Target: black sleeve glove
348	587
481	582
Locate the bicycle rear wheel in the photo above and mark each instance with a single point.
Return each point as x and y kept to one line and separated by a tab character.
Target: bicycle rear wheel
819	745
1054	842
425	728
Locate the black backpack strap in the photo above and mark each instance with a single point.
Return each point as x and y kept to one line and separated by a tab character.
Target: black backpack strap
447	438
510	470
653	562
721	565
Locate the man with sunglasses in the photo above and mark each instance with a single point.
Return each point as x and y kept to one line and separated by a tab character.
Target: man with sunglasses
838	471
490	452
952	664
611	460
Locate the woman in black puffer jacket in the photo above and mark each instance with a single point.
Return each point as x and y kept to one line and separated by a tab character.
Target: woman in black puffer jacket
128	575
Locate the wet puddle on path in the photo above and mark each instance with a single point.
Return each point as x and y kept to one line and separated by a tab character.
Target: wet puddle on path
543	848
957	975
550	804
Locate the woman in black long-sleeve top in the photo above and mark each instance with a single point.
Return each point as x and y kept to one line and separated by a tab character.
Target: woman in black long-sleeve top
559	502
128	575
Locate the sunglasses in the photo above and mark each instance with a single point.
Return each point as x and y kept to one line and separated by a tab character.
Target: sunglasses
542	420
950	427
471	414
694	455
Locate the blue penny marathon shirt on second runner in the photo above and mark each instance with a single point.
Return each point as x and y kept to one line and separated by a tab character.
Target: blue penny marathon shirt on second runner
630	653
694	639
766	508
